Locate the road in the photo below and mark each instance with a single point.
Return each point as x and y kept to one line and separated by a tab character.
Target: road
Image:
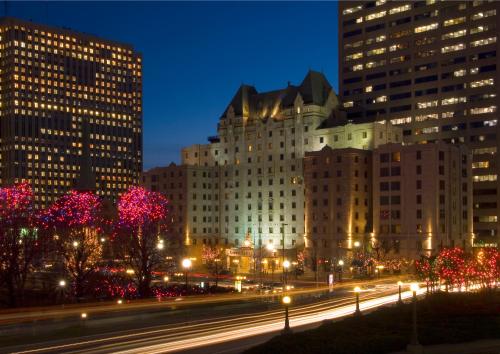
228	334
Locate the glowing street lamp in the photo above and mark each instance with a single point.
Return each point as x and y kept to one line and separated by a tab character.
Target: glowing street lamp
186	264
357	244
357	290
286	265
400	300
286	301
270	247
62	283
75	244
341	269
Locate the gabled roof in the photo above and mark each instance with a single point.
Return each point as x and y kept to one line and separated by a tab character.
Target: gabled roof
248	102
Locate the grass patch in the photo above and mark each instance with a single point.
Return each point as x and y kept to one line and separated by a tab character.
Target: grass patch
442	318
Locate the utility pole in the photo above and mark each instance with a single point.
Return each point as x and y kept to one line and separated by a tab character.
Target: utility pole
283	250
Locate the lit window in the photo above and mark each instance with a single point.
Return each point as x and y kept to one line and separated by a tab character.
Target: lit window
357	67
374	64
375	15
453	48
369	88
459	73
453	100
454	21
455	34
399	9
376	51
484	41
354	56
480	83
483	110
421	105
484	14
352	10
426	28
348	104
398	121
485	178
424	117
481	164
482	28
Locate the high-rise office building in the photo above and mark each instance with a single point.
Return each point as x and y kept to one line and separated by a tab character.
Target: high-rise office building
65	95
431	67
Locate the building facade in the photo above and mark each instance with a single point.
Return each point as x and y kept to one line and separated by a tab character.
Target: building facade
431	67
61	90
422	198
338	197
253	195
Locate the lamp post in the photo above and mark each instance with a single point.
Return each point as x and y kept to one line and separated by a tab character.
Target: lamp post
400	300
414	336
341	268
62	287
186	264
286	265
283	248
286	301
357	290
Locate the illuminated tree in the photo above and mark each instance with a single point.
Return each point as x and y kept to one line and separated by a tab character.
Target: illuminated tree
74	222
19	243
210	256
487	267
142	217
426	270
451	266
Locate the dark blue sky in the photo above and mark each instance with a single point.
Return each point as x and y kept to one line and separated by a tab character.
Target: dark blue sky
197	54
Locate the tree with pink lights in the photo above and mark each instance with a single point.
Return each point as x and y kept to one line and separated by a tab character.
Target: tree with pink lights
74	222
19	242
142	217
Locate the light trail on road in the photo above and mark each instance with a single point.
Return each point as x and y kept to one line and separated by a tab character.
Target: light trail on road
173	338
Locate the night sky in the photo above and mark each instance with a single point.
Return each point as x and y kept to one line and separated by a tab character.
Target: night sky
197	54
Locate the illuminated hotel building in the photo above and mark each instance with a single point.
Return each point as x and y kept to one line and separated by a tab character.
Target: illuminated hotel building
432	68
60	90
255	191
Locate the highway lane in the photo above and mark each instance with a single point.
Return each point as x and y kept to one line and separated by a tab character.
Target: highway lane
74	310
227	332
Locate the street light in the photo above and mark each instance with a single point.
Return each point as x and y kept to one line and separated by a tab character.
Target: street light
286	265
75	244
400	300
341	269
286	301
186	264
62	283
414	336
357	290
356	244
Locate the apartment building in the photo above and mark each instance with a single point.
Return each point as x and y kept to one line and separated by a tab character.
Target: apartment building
61	90
430	67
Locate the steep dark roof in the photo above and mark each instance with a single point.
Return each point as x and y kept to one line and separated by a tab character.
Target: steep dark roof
247	101
315	88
